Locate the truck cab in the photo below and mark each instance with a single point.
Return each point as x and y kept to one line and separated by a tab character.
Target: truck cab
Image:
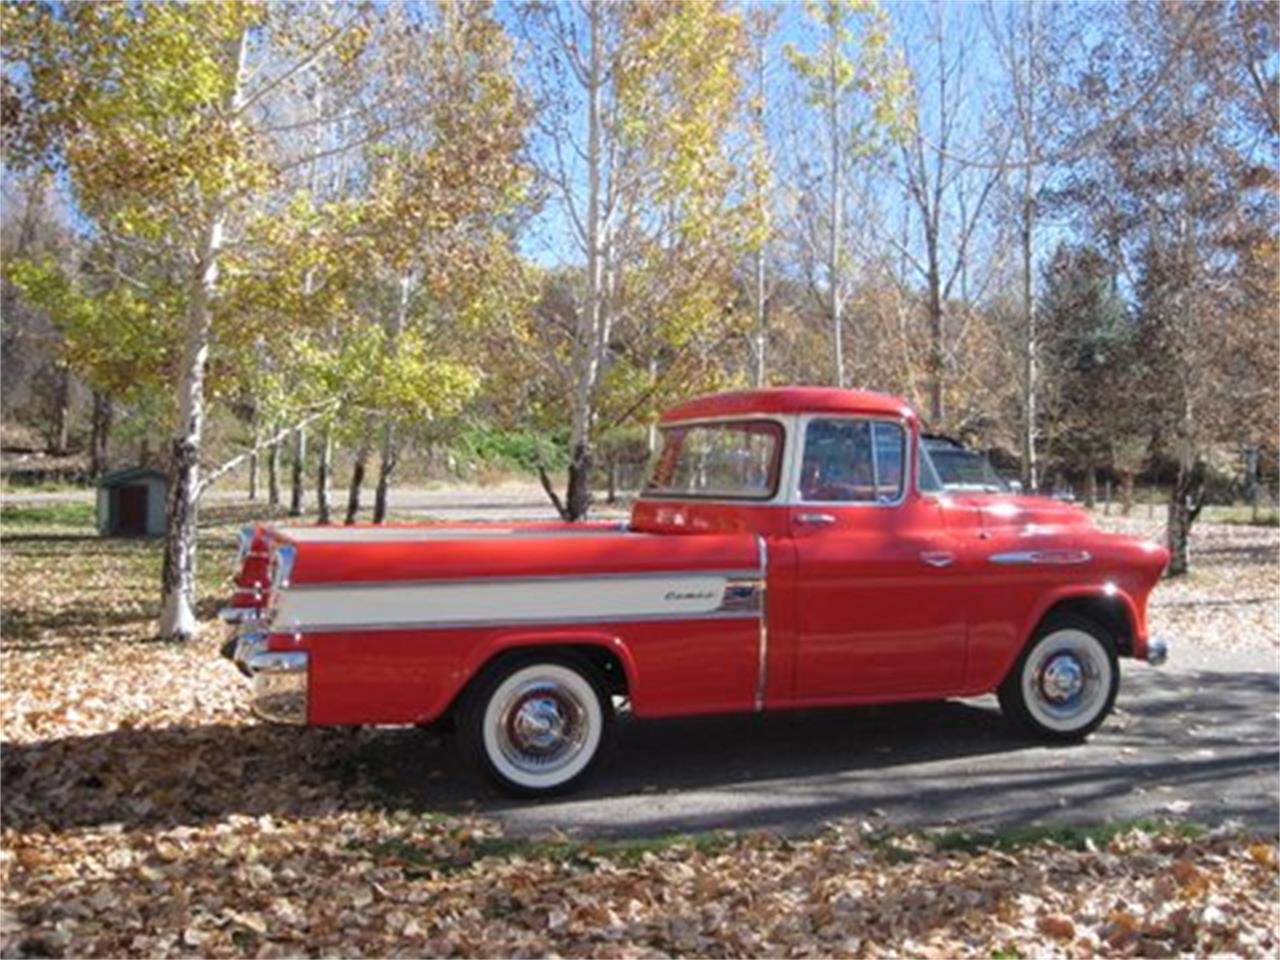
792	547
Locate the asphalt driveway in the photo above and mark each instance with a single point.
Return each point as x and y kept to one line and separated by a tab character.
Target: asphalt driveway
1191	741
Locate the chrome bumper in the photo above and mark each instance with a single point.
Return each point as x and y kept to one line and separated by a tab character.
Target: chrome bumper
243	643
239	614
279	685
1157	651
279	677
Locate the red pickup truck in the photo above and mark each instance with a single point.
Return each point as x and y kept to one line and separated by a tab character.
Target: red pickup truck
792	548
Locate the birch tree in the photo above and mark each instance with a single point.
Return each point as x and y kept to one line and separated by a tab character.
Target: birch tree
441	186
948	197
1029	41
762	22
635	101
854	83
162	124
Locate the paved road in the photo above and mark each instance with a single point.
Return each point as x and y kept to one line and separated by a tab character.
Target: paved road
506	501
1195	741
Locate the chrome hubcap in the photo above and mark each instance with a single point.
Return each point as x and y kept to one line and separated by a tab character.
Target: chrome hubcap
543	726
1062	678
538	724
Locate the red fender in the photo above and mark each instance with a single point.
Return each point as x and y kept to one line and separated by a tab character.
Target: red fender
1106	592
545	637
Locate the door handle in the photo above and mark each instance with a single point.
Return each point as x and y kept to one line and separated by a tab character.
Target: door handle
938	558
815	519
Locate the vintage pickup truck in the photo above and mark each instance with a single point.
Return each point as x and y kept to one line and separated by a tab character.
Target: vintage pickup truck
793	548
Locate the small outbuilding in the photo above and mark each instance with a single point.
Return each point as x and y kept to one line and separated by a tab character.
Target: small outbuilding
131	503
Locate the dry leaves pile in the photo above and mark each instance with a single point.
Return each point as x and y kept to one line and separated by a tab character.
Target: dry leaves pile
144	814
323	886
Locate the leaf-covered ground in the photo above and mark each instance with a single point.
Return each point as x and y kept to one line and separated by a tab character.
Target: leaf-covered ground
145	814
1231	599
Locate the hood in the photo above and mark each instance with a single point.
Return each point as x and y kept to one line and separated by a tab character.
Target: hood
1019	510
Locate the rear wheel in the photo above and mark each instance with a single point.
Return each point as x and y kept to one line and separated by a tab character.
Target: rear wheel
536	724
1065	683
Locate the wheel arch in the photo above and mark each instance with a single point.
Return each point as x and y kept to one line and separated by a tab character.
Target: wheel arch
1113	610
1104	604
606	653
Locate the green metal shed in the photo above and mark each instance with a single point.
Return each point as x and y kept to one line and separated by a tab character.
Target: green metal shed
131	503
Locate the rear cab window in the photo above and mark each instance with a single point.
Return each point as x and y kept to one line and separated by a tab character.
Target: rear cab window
728	460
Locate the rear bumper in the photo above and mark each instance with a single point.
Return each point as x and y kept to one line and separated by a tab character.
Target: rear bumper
1158	650
243	644
279	678
279	685
239	614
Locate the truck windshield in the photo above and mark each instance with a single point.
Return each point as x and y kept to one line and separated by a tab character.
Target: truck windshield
958	468
736	460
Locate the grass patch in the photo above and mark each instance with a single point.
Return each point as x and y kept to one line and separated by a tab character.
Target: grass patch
427	855
1242	516
72	515
1070	837
64	586
19	488
419	858
906	846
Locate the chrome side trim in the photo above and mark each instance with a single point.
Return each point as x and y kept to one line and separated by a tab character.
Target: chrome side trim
1042	557
730	575
374	627
742	596
762	668
239	614
281	567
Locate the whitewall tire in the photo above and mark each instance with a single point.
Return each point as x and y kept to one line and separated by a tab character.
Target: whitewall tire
1064	684
536	725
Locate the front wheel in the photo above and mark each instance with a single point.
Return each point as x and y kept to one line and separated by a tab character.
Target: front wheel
536	725
1065	683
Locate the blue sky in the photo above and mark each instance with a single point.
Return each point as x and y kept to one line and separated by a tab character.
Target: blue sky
549	243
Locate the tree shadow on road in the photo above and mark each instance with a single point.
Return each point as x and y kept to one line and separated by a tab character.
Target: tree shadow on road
948	762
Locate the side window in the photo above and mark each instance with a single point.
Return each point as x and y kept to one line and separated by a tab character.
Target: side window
928	475
890	458
854	461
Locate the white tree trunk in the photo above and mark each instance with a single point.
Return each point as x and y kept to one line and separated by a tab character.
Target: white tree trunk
1030	348
762	251
594	321
178	573
834	240
1030	384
